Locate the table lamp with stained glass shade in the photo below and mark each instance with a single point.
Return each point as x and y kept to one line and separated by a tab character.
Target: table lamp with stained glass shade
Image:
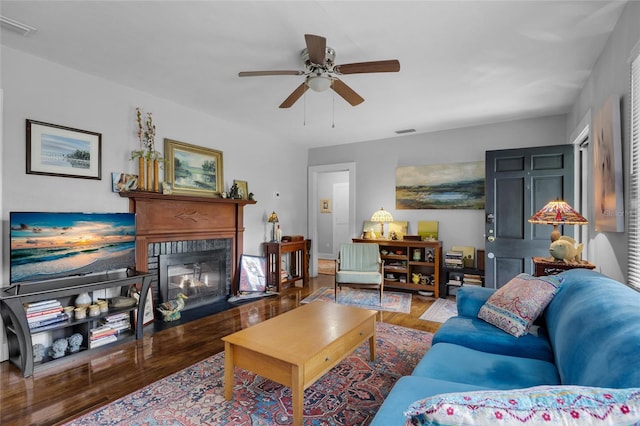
273	218
555	213
381	216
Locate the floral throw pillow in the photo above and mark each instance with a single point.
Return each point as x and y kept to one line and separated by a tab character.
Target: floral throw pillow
540	405
515	306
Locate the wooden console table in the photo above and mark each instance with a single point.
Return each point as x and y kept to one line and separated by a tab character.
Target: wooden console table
546	266
298	267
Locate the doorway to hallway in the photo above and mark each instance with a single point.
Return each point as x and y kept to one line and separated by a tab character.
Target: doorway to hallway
327	228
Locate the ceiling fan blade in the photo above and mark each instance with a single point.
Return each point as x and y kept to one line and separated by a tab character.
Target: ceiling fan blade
294	96
261	73
317	48
346	92
392	65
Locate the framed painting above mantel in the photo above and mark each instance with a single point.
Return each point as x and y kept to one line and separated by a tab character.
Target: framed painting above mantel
193	170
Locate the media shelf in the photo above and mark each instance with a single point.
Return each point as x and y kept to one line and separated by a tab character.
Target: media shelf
20	336
404	258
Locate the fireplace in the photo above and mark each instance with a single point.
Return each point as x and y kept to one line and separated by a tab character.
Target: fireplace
202	276
203	235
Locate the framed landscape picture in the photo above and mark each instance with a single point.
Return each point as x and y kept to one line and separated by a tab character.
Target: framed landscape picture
193	170
54	150
441	186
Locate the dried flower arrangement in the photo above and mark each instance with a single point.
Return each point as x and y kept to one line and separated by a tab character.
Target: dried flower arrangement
146	138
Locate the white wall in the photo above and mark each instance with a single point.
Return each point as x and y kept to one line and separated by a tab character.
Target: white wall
44	91
378	160
611	76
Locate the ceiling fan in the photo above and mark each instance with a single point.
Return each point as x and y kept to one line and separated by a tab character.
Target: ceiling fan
321	73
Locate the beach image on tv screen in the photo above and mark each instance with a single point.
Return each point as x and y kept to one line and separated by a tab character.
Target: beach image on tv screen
56	245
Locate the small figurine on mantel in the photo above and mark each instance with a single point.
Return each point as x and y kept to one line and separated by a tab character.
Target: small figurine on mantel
234	191
171	310
565	250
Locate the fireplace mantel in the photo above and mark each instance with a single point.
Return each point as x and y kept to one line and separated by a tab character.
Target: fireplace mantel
161	218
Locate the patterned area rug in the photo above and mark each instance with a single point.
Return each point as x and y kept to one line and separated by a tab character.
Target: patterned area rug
349	394
368	299
440	311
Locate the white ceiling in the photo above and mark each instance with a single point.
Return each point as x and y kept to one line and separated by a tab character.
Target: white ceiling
462	62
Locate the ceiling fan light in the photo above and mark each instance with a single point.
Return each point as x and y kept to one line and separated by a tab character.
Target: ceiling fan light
319	83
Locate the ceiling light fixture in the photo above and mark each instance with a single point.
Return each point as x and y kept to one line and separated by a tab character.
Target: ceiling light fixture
319	83
16	27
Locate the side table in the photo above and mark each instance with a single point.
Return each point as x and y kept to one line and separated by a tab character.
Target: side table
297	268
549	266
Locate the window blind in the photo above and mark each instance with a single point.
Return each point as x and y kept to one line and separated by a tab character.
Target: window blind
633	272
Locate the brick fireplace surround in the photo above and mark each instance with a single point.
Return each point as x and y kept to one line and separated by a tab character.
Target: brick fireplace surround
175	220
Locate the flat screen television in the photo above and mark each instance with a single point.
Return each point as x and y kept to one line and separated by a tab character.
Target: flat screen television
48	245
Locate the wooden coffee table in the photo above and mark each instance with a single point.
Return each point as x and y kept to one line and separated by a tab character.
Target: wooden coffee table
298	347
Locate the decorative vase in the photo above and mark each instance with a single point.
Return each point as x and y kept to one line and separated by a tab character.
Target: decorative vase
141	173
416	255
156	181
415	278
83	299
149	182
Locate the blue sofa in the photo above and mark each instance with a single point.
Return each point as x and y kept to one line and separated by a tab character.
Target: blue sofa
589	335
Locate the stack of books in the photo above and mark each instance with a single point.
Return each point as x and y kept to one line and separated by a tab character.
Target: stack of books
120	322
101	336
472	279
455	279
45	312
110	327
453	260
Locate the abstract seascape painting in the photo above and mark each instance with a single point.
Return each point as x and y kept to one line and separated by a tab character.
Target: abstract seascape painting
441	186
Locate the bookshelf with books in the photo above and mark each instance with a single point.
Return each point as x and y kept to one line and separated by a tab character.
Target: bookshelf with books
406	259
35	313
459	270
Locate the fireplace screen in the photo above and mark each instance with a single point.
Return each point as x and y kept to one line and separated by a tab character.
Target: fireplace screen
200	276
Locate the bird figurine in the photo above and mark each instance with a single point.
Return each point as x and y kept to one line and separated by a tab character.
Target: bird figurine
170	310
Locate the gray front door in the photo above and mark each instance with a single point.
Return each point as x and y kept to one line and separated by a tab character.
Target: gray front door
518	183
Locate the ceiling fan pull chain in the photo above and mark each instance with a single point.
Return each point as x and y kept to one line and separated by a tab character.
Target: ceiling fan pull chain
333	110
304	109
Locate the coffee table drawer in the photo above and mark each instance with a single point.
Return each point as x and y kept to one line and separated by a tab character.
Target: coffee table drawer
324	360
357	336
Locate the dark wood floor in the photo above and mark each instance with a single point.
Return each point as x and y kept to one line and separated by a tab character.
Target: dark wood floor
69	390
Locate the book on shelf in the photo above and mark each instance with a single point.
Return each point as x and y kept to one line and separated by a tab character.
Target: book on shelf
44	316
472	279
102	341
62	317
119	326
43	313
453	259
41	306
116	317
